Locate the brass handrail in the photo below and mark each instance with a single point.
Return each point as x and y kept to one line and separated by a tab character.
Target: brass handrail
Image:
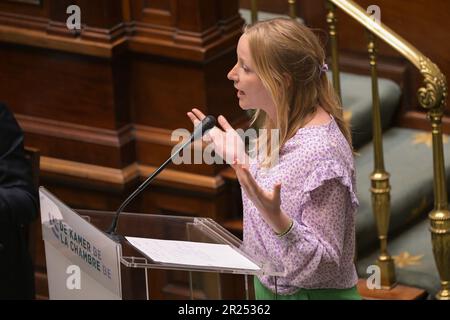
428	97
432	97
380	30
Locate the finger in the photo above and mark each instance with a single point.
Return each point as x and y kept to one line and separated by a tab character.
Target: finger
193	118
277	192
198	114
224	123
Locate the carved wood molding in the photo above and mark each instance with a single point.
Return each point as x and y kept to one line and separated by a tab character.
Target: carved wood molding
118	44
158	136
65	130
127	174
173	176
153	135
41	39
103	35
170	32
89	171
23	21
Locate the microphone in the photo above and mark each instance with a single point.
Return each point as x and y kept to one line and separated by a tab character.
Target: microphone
207	123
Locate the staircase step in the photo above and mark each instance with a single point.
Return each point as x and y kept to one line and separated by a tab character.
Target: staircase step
399	292
409	161
413	253
357	103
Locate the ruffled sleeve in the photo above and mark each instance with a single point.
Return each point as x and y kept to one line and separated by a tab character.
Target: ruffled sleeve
328	170
313	248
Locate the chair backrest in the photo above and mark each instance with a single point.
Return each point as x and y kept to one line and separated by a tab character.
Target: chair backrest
32	231
34	156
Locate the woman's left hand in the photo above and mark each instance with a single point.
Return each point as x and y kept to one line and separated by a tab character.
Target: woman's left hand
267	203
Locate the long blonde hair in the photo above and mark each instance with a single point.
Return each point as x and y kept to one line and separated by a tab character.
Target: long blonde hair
288	58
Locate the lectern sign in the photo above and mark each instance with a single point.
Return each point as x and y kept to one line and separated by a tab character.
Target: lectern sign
71	242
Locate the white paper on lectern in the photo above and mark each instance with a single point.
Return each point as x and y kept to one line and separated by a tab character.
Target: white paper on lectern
192	253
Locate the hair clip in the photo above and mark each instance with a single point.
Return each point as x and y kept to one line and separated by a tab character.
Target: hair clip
324	68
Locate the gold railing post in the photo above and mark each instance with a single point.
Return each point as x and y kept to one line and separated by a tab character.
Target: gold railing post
254	10
432	97
380	189
292	11
332	30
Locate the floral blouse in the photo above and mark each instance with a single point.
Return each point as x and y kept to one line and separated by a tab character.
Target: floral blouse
318	192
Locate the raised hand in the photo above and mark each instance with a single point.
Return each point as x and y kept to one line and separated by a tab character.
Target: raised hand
227	142
267	203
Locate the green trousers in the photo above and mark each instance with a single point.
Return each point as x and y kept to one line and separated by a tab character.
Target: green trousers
263	293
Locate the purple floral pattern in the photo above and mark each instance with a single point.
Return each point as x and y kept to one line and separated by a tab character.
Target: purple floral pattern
318	191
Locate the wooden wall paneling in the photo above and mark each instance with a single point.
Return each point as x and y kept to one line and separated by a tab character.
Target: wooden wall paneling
313	14
74	109
101	20
58	9
93	104
102	14
158	13
79	153
39	8
26	15
58	18
168	31
167	91
154	155
60	86
169	201
200	28
229	17
45	26
121	82
277	6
